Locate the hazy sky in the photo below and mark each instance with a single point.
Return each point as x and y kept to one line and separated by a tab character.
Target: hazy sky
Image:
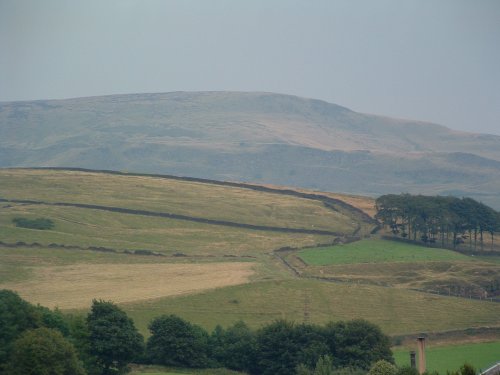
434	60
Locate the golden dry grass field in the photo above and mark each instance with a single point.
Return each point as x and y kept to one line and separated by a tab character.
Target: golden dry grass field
74	286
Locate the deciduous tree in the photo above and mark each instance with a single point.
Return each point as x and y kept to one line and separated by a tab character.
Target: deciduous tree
113	338
43	351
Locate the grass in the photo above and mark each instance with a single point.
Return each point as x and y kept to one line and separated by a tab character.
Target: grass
71	287
87	227
402	265
173	196
376	251
397	311
218	254
450	358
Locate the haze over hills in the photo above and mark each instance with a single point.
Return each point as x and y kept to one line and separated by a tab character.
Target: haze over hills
258	137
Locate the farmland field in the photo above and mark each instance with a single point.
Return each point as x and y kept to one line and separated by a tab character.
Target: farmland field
376	251
87	227
217	273
397	311
403	265
451	357
72	287
187	198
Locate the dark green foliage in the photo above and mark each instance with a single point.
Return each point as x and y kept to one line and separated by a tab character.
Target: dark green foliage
79	336
324	366
234	348
113	338
407	370
16	316
176	342
447	221
465	369
53	319
350	371
43	351
39	223
282	346
357	343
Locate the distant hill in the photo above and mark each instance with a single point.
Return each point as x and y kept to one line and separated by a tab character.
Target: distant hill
257	137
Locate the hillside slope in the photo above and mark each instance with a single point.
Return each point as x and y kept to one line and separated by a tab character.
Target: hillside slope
258	137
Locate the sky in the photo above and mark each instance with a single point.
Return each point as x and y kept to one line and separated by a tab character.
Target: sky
429	60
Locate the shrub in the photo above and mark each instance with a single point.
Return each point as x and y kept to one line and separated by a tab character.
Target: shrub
39	223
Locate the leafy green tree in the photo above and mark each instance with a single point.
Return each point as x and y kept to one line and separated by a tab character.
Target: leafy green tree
282	346
16	316
79	336
176	342
53	319
113	338
383	367
43	351
357	343
234	348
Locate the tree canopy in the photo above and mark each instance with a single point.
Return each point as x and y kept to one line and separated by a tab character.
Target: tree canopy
113	338
177	342
43	351
16	316
449	221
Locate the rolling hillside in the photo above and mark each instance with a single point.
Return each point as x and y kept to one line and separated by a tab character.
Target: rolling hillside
256	137
218	252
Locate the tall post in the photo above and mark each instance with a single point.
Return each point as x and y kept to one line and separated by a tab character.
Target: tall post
421	354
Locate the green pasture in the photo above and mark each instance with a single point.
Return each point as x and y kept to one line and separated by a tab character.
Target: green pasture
396	311
376	251
451	357
173	196
87	227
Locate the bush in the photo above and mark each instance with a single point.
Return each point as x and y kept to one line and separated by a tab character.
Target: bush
43	351
383	367
39	223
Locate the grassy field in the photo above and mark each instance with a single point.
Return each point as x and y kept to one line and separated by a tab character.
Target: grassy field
449	358
376	251
172	196
397	311
402	265
87	227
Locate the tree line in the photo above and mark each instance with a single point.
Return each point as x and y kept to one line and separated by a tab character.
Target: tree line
37	340
447	221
